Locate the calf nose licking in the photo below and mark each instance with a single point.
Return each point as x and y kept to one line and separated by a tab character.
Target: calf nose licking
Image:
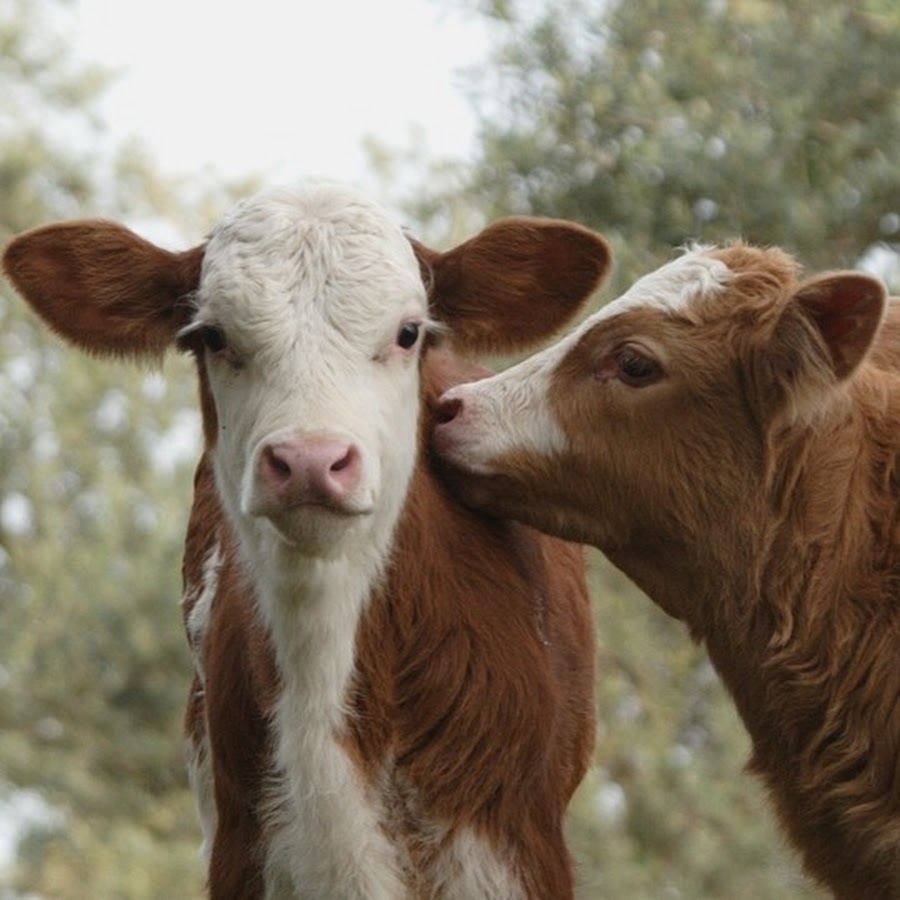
449	406
450	418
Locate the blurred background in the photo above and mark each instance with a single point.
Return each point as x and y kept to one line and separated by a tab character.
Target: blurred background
655	122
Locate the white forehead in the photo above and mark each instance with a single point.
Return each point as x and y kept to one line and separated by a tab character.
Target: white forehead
317	251
673	287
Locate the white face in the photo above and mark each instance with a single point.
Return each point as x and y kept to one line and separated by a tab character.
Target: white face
311	309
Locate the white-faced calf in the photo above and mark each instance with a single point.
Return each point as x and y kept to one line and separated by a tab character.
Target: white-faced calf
393	694
728	433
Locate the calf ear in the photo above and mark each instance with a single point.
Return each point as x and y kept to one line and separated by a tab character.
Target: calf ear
821	336
846	308
102	287
515	283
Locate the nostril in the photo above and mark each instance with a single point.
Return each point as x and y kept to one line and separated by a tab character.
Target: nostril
448	410
347	461
344	472
277	465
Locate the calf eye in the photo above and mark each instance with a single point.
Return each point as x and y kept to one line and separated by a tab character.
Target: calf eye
408	335
213	338
636	369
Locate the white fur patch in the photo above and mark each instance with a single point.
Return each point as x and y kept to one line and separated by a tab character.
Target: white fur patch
471	869
672	287
505	413
325	831
198	618
199	765
200	778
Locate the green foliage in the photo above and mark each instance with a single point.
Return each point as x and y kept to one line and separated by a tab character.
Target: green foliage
93	474
94	662
667	810
662	122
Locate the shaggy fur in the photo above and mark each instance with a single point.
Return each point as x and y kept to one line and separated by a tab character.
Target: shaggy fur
731	444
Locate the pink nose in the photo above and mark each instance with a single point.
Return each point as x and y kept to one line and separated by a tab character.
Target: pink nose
318	471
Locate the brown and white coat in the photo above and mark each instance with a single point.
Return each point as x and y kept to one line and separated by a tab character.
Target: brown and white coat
393	694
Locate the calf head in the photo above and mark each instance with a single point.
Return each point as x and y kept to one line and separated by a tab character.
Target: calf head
646	430
309	313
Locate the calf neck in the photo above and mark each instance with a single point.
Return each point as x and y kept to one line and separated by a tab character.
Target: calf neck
726	432
393	693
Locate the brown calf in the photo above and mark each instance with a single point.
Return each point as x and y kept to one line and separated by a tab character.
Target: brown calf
393	694
728	435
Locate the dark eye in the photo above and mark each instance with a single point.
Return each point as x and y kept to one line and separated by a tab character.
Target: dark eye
408	335
213	338
636	369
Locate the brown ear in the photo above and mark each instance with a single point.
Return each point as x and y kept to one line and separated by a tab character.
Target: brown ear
846	308
102	287
822	334
517	282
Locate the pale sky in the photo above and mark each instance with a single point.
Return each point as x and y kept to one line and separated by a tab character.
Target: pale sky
282	88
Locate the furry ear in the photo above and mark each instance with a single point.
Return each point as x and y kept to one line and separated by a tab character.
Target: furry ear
515	283
102	287
846	308
822	334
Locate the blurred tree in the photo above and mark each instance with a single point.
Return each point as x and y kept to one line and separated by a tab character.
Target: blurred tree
95	466
658	122
664	121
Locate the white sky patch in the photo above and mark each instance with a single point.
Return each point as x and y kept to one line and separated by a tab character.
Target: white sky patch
883	262
19	811
17	515
180	444
111	414
610	803
282	90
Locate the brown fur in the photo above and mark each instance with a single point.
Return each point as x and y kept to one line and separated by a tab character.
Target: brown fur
753	493
475	654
